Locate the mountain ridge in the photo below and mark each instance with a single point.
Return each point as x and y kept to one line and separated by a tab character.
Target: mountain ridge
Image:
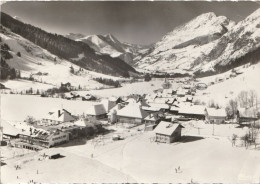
202	45
66	48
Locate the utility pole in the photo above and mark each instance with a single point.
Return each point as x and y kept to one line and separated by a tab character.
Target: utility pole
213	130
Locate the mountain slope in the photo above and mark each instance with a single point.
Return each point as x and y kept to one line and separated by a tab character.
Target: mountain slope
182	48
49	70
68	49
110	45
239	46
206	45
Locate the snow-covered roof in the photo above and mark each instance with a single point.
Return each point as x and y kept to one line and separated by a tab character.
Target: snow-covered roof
132	110
216	112
97	109
173	108
108	104
160	105
192	109
60	115
166	128
116	108
151	117
8	129
160	100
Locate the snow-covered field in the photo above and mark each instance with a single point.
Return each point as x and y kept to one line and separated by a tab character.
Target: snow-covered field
127	89
222	92
18	107
34	61
201	158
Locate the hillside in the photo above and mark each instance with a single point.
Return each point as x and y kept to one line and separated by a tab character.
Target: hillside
48	69
110	45
206	45
77	52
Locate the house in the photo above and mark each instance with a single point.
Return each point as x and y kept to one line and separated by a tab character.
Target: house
246	115
181	93
216	116
58	116
43	138
112	114
192	111
9	131
96	112
151	121
132	114
167	132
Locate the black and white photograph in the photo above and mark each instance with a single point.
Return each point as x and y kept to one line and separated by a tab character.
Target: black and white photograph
130	92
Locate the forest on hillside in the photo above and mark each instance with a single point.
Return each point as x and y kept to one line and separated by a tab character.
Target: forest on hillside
66	48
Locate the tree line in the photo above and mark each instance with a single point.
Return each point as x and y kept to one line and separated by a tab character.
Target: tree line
108	82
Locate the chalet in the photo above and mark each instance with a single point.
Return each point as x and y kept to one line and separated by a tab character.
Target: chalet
167	132
132	113
216	116
151	121
246	115
9	131
96	112
181	93
58	116
192	111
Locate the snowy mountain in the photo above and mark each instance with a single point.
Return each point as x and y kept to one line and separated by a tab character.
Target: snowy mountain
78	53
46	68
205	45
110	45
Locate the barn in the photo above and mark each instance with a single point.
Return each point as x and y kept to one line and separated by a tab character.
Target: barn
213	115
192	111
167	132
132	113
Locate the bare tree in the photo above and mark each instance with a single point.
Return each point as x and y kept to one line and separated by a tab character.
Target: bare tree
30	120
243	98
231	108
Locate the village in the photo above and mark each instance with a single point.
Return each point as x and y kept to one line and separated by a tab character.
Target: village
166	117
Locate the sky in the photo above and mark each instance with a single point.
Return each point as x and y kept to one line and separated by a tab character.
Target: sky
134	22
